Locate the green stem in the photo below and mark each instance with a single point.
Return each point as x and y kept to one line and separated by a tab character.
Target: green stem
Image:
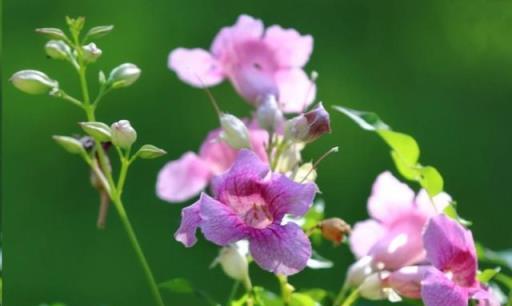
115	193
341	295
286	288
233	292
351	299
138	251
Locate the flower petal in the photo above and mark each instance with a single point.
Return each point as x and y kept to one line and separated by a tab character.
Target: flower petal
450	247
407	280
432	207
438	290
182	179
190	221
296	91
219	223
389	198
285	196
196	67
401	244
241	178
219	155
290	48
245	28
280	249
364	236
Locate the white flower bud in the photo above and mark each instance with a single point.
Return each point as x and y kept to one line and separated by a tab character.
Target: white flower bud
234	131
57	49
234	262
53	33
33	82
91	53
372	286
98	32
359	271
268	114
123	134
97	130
150	151
70	144
123	75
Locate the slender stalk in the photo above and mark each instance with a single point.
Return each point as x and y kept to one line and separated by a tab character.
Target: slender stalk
233	292
115	191
341	295
351	299
286	288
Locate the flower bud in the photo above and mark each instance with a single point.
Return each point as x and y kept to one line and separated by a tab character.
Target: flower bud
33	82
268	114
359	270
233	262
57	49
150	152
372	286
234	131
123	134
98	130
309	126
53	33
70	144
334	229
98	32
123	75
91	53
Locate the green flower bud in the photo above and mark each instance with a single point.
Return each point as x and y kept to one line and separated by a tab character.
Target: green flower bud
70	144
97	130
234	131
33	82
123	134
99	31
52	33
57	49
150	152
123	75
91	53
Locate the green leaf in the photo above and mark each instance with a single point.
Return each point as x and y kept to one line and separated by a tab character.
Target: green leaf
314	215
301	299
451	211
366	120
431	180
486	275
404	145
316	294
502	258
266	298
410	172
98	32
178	285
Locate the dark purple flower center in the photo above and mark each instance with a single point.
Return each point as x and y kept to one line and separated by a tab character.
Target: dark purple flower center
252	209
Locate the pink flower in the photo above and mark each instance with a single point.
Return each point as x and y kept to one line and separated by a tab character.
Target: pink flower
258	62
182	179
392	238
249	203
451	250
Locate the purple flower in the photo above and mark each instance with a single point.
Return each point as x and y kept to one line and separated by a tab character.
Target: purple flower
250	203
451	250
258	62
392	238
182	179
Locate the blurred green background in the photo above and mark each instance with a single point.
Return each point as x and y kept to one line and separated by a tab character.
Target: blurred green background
438	70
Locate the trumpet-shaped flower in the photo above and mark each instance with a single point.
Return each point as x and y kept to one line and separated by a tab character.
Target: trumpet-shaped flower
249	203
392	238
182	179
258	62
451	250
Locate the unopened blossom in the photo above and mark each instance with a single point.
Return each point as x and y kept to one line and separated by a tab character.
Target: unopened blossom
182	179
392	238
334	229
249	203
309	126
451	250
257	61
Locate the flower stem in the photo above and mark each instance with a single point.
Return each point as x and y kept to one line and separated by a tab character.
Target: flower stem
138	250
286	288
233	292
115	191
351	299
341	295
